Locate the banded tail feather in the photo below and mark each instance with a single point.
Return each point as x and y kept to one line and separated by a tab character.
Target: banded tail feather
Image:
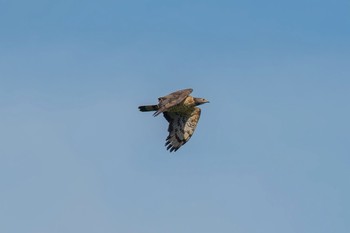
148	108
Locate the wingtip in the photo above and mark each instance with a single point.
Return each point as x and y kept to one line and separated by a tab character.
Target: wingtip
170	147
156	114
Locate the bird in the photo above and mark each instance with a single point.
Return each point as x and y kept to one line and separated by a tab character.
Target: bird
181	111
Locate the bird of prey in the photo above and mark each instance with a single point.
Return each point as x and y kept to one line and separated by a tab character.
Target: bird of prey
179	109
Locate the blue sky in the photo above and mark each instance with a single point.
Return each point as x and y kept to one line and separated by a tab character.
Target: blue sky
270	153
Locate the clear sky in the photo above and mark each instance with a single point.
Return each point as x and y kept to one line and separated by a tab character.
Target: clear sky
271	151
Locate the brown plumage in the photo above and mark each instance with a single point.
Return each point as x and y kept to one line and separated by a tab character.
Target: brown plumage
179	109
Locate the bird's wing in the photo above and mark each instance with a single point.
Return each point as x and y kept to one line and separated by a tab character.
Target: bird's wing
171	100
181	128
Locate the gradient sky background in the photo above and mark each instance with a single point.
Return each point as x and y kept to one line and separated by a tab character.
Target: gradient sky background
271	151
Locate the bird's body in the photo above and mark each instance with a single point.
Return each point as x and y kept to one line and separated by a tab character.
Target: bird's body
179	109
185	107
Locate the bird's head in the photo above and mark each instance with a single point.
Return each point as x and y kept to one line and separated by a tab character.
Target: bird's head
199	101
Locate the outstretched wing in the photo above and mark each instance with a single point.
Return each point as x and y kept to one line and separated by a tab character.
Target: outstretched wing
171	100
181	128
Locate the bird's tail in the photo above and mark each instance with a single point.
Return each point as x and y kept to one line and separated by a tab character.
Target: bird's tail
147	108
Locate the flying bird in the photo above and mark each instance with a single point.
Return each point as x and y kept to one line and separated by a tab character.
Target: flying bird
179	109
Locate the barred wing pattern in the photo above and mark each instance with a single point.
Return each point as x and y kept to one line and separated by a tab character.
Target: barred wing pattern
171	100
181	128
